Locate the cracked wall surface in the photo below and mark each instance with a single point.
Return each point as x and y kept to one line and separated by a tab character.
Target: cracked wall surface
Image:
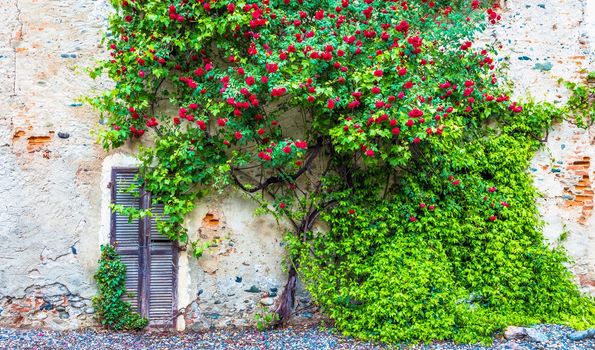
49	164
543	41
53	184
52	188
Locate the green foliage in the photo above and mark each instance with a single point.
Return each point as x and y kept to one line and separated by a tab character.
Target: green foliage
265	319
580	105
209	86
111	311
438	261
384	118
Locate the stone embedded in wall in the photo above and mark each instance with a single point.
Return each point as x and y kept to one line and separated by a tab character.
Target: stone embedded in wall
218	313
50	306
221	310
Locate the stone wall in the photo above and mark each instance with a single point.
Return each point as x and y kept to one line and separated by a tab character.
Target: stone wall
543	41
49	164
53	177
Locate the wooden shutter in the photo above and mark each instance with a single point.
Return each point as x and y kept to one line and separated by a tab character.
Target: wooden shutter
151	259
126	234
163	276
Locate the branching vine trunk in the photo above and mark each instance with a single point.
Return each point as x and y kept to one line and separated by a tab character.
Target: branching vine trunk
287	299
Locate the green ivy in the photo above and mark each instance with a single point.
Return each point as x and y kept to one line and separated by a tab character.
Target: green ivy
111	310
580	104
438	261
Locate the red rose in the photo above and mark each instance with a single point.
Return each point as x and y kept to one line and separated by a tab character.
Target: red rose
272	67
415	113
301	144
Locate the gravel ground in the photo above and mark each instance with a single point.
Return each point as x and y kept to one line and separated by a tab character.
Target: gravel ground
291	338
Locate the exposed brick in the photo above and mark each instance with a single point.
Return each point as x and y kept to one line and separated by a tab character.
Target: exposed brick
36	142
585	280
579	187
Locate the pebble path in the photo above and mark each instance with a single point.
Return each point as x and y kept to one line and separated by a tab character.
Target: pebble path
285	339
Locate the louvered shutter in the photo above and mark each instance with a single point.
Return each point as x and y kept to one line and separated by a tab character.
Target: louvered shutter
126	234
163	274
151	259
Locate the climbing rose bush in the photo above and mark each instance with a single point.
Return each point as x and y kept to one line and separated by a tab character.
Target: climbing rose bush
264	84
303	105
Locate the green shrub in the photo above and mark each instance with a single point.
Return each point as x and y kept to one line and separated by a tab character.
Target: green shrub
110	310
442	260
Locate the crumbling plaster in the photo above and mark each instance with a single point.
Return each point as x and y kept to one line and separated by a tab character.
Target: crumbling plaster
535	36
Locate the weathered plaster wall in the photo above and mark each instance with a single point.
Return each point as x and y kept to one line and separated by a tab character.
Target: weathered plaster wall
49	181
53	177
53	188
544	41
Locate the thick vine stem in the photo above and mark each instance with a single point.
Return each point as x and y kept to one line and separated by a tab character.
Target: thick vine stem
287	299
